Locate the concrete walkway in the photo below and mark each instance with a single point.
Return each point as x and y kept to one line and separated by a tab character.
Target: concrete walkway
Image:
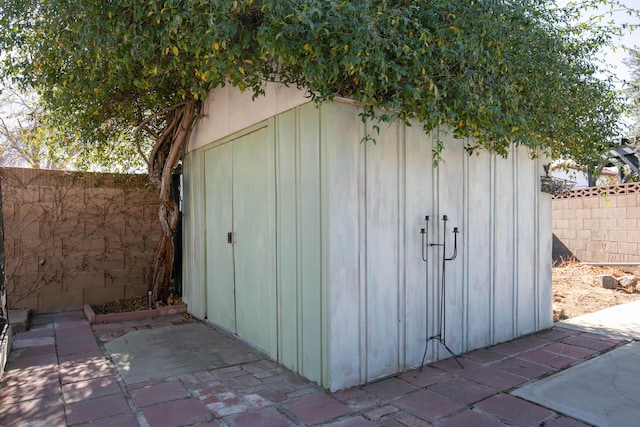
64	372
603	390
621	321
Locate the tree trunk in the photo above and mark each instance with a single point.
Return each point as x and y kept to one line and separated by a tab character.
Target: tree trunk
163	160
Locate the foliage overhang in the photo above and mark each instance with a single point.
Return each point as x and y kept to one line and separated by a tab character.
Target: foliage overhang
502	71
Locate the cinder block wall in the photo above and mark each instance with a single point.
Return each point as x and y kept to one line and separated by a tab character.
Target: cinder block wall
598	224
76	238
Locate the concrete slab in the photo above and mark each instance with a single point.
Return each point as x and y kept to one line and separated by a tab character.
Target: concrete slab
175	350
621	321
602	391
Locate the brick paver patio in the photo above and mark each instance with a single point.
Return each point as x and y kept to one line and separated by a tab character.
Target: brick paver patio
59	374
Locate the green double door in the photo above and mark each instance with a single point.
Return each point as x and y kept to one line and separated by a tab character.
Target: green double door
240	238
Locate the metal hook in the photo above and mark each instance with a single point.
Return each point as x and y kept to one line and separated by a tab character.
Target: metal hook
455	245
425	239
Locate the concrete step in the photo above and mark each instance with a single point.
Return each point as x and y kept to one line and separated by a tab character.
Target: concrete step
19	320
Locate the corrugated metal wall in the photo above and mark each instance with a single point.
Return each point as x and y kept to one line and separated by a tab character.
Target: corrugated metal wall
352	302
498	287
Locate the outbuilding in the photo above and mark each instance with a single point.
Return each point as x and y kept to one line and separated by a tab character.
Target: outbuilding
314	246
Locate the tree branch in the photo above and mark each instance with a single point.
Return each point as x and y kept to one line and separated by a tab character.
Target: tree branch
157	114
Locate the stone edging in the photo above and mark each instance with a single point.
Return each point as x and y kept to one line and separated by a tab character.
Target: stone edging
132	315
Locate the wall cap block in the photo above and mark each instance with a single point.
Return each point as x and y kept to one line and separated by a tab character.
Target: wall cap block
132	315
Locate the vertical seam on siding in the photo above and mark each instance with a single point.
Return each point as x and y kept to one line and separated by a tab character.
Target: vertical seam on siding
465	252
299	246
401	267
363	274
278	243
536	236
492	247
435	270
203	241
516	245
271	132
325	372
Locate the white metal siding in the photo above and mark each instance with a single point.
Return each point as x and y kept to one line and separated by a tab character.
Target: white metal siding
498	287
352	302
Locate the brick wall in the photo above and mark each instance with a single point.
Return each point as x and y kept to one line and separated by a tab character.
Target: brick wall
76	238
598	224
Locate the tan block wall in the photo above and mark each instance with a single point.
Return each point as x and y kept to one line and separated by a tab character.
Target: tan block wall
599	224
75	238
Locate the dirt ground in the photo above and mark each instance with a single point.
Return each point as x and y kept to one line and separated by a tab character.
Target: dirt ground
130	304
577	290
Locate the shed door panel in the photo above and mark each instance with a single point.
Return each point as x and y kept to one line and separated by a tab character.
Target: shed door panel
240	198
219	221
254	225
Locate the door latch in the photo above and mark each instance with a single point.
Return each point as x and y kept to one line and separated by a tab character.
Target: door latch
230	237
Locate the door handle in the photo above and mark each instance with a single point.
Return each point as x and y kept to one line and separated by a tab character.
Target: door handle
230	237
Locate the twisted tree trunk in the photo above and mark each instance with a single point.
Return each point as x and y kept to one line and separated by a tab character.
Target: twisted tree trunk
163	160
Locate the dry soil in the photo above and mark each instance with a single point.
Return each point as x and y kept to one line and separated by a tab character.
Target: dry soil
577	290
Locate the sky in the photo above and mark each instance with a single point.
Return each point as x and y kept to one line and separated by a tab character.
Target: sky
631	40
615	57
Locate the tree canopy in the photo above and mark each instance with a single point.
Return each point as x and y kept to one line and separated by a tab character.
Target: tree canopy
24	141
28	139
505	72
502	71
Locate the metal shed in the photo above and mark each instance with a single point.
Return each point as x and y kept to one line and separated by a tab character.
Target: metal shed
314	246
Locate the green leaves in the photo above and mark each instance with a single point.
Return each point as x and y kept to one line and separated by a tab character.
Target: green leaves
499	71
